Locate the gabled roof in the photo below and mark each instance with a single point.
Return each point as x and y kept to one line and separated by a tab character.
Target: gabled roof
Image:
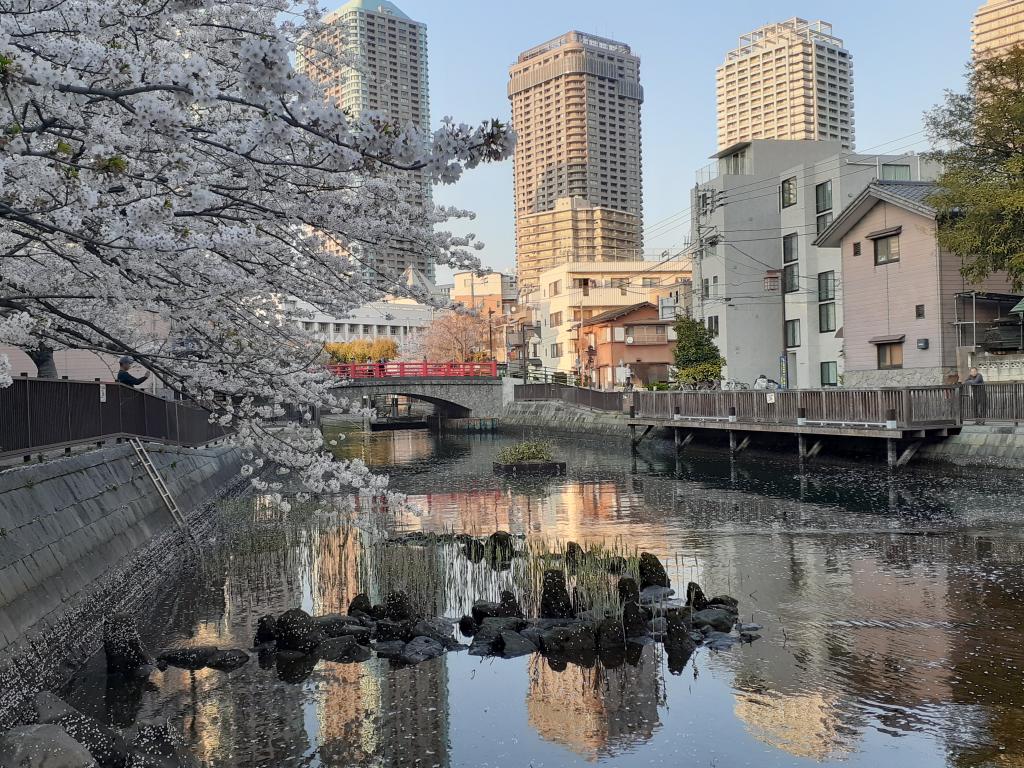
615	314
910	195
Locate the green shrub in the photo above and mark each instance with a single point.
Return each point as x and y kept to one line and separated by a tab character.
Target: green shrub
702	373
530	450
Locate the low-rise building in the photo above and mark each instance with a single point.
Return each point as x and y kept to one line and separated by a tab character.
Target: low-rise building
573	293
401	320
901	290
630	344
491	292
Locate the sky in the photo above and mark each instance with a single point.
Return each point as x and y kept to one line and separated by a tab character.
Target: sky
906	53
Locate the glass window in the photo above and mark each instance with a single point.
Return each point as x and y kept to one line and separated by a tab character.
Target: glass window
555	319
713	324
789	192
555	288
895	172
714	285
556	350
887	249
830	374
890	356
705	289
826	286
790	279
823	222
789	248
827	317
823	196
649	282
919	311
792	333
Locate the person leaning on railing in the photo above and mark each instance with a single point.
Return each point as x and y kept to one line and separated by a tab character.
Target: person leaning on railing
124	377
976	386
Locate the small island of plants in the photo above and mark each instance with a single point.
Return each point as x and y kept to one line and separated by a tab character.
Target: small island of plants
528	457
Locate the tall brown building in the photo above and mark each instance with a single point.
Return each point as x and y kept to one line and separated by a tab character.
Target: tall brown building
576	109
790	80
997	27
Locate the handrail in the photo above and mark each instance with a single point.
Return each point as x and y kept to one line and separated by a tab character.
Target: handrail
420	370
39	415
588	398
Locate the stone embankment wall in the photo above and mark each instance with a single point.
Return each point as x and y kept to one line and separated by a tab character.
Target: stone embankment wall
83	535
983	445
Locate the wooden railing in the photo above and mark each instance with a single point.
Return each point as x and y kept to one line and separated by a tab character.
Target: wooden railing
908	407
424	370
993	402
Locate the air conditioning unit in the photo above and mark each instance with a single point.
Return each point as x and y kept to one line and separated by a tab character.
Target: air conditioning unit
629	339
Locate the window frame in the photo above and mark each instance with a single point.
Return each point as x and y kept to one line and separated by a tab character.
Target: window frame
827	187
888	349
794	335
833	368
888	258
788	192
790	278
791	254
829	308
829	294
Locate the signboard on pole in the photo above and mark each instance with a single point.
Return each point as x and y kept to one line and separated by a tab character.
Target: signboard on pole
103	393
783	372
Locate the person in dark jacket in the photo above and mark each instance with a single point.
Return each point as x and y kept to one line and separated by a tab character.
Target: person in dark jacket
976	382
123	377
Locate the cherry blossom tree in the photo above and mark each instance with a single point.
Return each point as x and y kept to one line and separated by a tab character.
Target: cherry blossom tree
167	158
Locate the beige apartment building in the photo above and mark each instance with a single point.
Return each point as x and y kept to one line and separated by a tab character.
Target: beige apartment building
997	27
789	80
574	292
576	110
371	57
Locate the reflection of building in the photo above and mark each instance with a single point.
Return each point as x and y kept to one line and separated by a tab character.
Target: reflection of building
790	80
997	27
595	712
576	110
804	725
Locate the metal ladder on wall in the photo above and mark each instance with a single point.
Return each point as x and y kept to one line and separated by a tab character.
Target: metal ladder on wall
161	486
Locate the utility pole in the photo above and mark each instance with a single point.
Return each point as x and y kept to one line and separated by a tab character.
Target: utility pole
490	333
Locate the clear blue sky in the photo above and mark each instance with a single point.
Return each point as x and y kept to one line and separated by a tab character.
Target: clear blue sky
905	54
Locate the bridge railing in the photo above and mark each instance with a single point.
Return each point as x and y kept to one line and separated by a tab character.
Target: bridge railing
39	415
422	370
909	406
588	398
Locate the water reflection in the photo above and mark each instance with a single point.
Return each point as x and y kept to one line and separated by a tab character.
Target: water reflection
891	608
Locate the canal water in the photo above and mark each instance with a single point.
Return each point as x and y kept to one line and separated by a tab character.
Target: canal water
891	607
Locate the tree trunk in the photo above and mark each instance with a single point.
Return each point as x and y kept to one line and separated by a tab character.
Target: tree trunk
42	356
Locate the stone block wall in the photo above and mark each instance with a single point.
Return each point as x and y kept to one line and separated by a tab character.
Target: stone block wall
982	444
538	416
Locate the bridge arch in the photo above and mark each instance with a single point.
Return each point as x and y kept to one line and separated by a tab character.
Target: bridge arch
458	398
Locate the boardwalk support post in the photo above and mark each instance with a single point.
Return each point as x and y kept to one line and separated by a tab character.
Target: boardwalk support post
892	455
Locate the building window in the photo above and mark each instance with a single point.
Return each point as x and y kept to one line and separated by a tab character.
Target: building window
649	282
713	325
856	249
714	285
790	279
895	172
789	192
556	350
823	222
826	286
555	288
890	356
789	249
919	311
646	334
705	288
555	319
827	317
830	374
792	333
823	197
887	249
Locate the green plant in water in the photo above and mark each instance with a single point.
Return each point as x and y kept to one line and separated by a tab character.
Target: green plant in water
529	450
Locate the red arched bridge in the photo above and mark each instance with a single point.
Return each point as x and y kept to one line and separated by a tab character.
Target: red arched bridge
454	389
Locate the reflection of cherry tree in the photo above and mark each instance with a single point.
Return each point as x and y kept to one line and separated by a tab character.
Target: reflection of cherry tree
456	337
168	158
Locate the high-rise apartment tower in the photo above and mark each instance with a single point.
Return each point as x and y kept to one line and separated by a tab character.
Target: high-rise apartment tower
576	109
791	80
390	51
997	27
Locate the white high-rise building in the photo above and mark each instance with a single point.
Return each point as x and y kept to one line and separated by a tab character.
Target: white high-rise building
386	74
790	80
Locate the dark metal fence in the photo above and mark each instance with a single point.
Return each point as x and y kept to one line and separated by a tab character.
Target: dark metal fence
43	414
588	398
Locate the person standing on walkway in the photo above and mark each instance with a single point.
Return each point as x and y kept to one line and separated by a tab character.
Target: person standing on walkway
976	383
124	377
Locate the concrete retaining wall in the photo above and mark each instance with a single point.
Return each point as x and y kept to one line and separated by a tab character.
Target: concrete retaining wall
983	445
80	536
557	416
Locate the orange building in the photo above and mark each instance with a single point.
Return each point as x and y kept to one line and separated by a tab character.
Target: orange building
627	343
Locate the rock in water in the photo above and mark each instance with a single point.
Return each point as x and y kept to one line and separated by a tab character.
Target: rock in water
655	595
266	630
569	642
513	644
573	555
509	605
724	601
229	660
718	619
695	597
155	745
195	657
343	649
294	666
554	599
389	649
421	649
474	550
42	746
360	604
106	745
628	590
386	629
398	607
634	620
468	626
678	648
296	631
500	545
652	572
610	634
123	646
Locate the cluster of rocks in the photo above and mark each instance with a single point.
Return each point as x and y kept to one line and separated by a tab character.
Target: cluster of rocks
63	737
568	631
